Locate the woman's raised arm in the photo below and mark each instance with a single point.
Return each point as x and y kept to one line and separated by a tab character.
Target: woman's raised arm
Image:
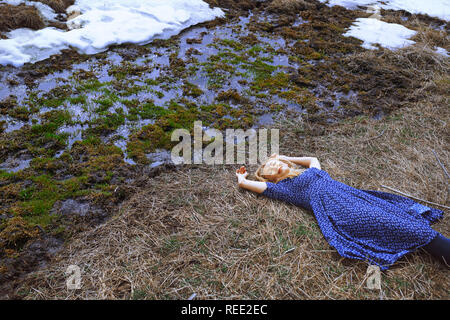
310	162
255	186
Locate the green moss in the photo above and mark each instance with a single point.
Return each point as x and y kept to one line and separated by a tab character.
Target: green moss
80	99
147	110
91	85
232	95
39	199
131	90
53	103
157	135
5	176
275	84
177	65
219	70
255	51
52	120
146	140
159	94
113	120
90	140
130	103
191	90
276	107
35	202
261	95
37	208
16	232
232	44
229	57
21	113
108	122
46	164
43	138
260	69
127	69
105	103
63	91
152	82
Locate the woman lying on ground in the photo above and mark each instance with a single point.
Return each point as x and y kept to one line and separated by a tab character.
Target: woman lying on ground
374	226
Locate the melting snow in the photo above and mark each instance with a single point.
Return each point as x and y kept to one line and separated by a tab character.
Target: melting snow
434	8
442	51
104	23
388	35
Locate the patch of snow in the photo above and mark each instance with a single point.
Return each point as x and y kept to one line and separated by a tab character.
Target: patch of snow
349	4
434	8
442	51
389	35
373	31
105	23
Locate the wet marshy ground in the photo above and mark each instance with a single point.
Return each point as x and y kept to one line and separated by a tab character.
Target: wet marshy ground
228	75
77	132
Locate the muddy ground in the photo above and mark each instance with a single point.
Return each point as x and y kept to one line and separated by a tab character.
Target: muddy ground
79	134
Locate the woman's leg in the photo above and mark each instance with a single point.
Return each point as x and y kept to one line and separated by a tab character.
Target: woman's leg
439	248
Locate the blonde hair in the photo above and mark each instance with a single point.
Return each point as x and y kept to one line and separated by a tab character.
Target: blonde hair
294	171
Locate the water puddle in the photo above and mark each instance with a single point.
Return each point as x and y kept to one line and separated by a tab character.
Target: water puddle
111	83
15	164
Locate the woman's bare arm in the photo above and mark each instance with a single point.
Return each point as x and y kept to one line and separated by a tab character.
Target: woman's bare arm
310	162
255	186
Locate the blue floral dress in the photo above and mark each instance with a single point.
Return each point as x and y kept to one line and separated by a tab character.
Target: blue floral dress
374	226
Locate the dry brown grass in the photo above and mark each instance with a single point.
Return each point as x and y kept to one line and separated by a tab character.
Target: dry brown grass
431	32
194	231
289	6
59	6
13	17
22	16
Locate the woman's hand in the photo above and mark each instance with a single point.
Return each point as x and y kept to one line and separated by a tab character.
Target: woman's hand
241	174
255	186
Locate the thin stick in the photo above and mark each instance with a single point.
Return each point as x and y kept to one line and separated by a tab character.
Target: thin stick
415	198
373	138
442	166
